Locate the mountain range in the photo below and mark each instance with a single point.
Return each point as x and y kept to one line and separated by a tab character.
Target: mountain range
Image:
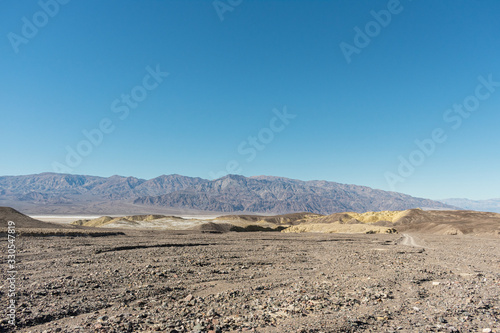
48	193
490	205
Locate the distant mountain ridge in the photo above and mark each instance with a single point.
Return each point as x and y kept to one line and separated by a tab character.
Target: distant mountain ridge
491	205
232	193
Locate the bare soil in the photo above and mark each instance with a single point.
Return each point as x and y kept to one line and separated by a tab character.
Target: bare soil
257	281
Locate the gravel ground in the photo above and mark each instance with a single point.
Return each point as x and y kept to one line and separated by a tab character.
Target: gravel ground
256	282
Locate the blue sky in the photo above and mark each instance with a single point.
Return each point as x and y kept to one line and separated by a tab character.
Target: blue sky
67	67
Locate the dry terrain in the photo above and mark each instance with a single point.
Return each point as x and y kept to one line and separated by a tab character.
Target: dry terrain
448	222
189	281
440	273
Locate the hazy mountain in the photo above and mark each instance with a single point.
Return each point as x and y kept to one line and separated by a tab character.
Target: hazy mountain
232	193
48	185
491	205
281	195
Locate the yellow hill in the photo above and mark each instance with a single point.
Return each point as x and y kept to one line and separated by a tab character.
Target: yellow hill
293	218
104	220
340	228
368	217
95	222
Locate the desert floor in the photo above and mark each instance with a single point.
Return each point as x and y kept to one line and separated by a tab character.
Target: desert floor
260	282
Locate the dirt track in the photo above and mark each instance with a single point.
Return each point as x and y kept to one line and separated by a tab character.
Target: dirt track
409	241
265	282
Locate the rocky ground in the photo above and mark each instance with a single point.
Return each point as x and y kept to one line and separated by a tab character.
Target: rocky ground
257	282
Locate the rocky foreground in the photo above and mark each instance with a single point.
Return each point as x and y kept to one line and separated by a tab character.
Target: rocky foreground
260	282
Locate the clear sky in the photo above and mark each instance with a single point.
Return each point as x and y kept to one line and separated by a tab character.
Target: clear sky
333	90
